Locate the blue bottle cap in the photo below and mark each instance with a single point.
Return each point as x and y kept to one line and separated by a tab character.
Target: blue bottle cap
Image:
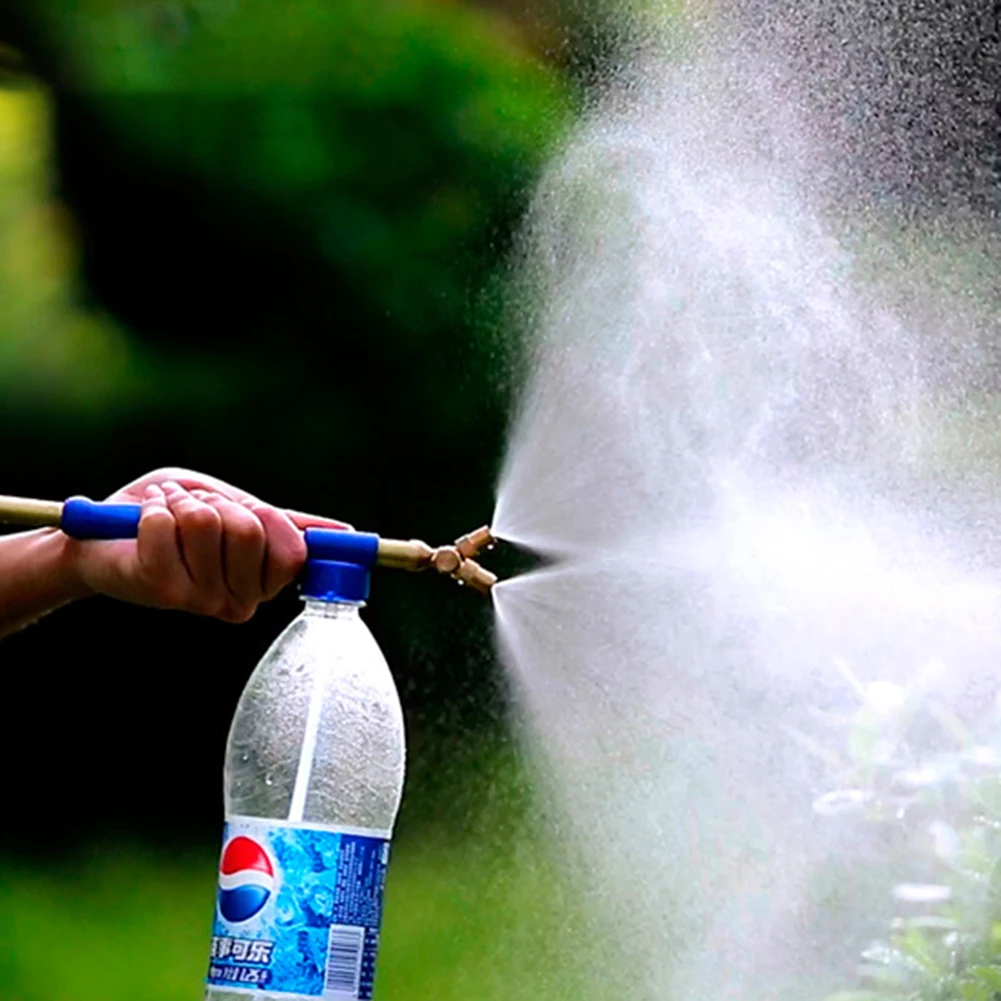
329	580
342	546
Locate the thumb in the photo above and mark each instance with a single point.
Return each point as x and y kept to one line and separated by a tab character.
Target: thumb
304	521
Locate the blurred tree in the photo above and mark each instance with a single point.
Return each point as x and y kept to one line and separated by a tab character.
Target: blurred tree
298	215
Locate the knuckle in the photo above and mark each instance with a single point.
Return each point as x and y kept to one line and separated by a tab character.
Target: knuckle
245	532
201	518
155	516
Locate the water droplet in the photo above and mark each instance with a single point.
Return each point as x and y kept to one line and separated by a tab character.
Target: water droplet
245	757
985	757
918	778
945	840
884	699
269	779
842	801
922	893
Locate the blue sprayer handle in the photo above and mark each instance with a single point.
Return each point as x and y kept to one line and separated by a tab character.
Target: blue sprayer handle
87	519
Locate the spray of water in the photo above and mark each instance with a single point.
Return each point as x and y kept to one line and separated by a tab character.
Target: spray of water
739	435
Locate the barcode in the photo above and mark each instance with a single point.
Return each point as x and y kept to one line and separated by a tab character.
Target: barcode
344	955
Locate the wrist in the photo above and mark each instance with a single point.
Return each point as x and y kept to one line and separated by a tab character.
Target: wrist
60	568
39	571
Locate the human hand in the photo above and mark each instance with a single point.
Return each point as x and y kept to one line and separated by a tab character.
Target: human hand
204	546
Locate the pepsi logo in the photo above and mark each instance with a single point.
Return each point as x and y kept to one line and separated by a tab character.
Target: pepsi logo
246	879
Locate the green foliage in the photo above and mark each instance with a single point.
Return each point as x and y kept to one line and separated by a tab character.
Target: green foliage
379	153
467	915
284	261
50	348
390	136
941	812
128	925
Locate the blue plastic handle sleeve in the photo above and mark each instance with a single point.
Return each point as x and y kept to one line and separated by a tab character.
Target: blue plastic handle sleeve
360	548
87	519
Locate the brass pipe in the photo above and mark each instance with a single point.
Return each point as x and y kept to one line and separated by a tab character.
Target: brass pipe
396	554
30	513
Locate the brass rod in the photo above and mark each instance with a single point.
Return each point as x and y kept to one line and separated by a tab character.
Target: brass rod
30	513
400	555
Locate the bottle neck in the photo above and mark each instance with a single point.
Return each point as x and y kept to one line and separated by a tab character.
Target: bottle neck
331	609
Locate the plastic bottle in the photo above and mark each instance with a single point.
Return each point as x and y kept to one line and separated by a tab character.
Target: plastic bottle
313	780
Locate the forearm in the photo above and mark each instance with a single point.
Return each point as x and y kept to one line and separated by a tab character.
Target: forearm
36	576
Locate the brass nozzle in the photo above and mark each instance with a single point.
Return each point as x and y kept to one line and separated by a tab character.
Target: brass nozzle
476	577
452	561
471	545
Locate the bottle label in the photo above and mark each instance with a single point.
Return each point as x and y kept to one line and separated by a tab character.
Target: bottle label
298	910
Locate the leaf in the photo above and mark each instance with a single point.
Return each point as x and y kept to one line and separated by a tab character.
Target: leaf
975	991
914	944
988	975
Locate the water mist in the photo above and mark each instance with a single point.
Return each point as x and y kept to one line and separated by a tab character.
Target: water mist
742	383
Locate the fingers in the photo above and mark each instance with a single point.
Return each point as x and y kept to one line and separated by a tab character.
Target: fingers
263	551
244	548
163	578
200	552
199	538
305	521
286	549
187	478
204	546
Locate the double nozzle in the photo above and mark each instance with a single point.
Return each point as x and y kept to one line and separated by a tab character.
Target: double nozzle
457	560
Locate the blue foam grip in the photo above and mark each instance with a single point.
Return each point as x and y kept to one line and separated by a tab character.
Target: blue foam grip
360	548
87	519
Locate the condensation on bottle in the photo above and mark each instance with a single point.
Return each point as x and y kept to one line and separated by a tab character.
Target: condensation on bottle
313	781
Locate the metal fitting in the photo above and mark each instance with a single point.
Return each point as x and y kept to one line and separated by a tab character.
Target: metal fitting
446	560
472	575
452	561
471	545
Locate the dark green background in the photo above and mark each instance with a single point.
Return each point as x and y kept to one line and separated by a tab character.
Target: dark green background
298	220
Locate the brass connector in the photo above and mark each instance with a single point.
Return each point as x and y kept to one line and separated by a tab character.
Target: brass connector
452	561
446	560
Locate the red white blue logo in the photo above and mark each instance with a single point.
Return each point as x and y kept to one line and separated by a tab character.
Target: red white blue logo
246	879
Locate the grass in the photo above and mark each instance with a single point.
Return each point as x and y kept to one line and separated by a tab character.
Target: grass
469	921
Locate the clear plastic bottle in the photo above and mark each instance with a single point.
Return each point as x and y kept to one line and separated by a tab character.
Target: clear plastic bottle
313	781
